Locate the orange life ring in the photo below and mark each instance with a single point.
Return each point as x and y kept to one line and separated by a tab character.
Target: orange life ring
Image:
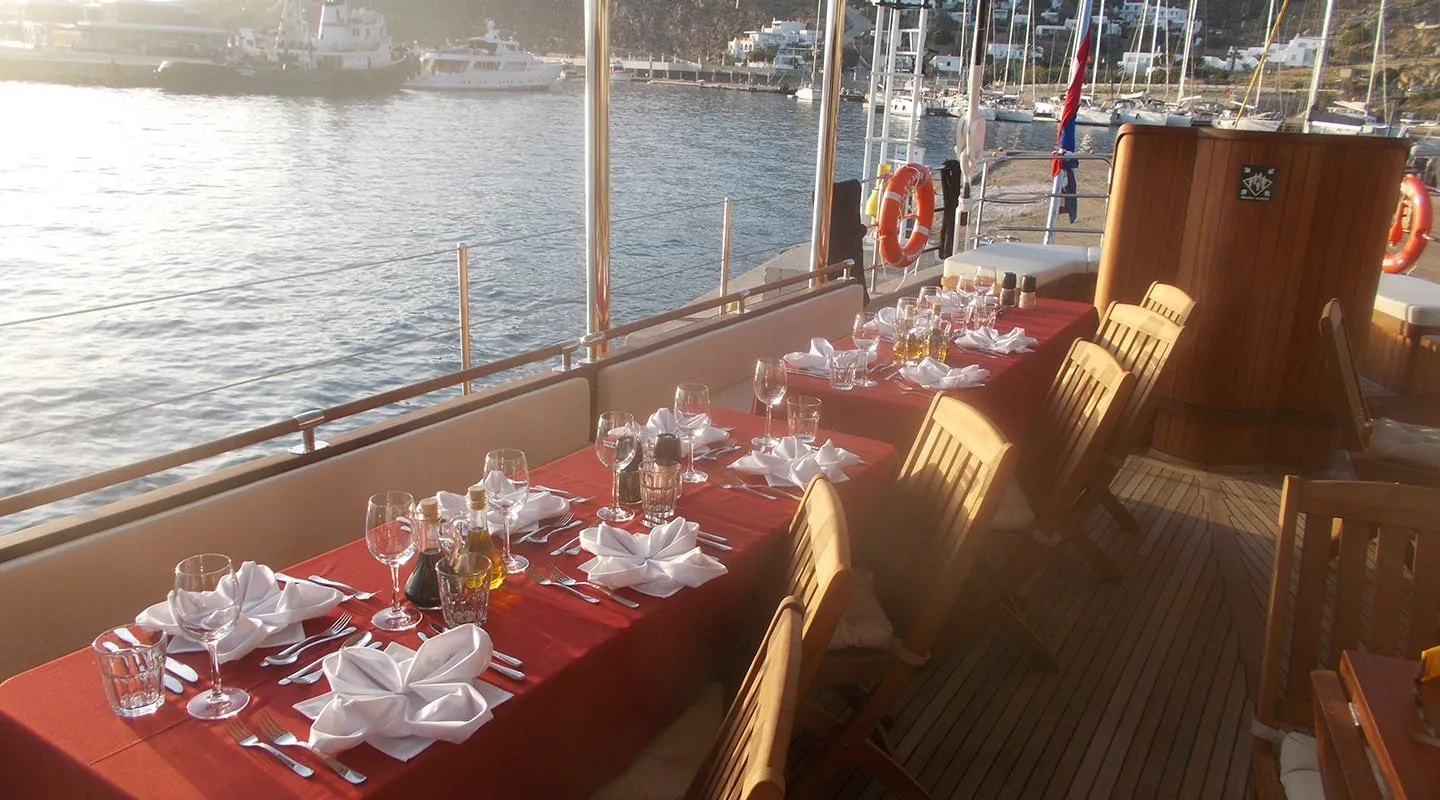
904	180
1403	252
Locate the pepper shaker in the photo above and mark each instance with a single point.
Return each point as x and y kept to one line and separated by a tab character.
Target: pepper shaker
1027	292
1007	290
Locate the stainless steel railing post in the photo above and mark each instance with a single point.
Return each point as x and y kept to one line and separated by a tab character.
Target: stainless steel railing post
597	174
725	255
462	265
309	421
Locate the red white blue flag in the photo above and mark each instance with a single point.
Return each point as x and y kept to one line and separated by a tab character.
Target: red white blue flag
1065	144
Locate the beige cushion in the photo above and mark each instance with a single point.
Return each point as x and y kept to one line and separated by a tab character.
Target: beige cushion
1300	768
1047	262
1408	299
664	769
864	623
1015	513
723	359
1416	445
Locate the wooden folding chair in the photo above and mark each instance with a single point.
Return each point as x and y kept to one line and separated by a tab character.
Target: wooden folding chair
1319	607
1380	449
1168	301
1142	341
819	571
1058	461
748	760
933	524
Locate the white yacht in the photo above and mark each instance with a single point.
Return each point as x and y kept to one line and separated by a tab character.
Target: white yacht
484	63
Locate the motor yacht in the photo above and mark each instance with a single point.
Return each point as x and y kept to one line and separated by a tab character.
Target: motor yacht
489	62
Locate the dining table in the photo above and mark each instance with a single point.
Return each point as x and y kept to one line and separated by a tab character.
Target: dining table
600	680
1397	719
1011	395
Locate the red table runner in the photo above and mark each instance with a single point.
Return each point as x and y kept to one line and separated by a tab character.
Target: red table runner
1011	396
602	680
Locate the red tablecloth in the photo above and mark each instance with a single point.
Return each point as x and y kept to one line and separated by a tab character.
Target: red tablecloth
602	680
1011	397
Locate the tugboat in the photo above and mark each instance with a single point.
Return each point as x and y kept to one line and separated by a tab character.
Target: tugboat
349	51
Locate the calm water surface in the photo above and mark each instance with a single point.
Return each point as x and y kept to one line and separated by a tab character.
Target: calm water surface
110	196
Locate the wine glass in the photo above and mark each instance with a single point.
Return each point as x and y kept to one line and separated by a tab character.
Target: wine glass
507	483
984	280
692	414
769	384
617	445
929	299
206	602
390	535
866	335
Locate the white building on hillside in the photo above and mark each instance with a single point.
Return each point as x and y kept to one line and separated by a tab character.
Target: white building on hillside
778	34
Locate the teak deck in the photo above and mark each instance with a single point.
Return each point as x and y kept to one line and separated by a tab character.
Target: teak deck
1158	673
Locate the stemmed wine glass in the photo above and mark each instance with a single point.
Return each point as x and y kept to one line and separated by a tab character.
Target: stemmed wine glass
984	280
617	445
206	602
769	384
866	335
390	535
692	414
507	482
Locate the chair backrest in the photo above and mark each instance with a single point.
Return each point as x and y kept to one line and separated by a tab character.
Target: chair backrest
1171	302
819	573
748	759
1363	597
937	515
1142	341
1344	380
1078	418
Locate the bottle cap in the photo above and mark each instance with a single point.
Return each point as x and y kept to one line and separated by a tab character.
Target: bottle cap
429	509
475	497
1027	283
1007	281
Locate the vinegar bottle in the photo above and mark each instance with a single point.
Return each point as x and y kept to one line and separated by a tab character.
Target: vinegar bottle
423	587
479	540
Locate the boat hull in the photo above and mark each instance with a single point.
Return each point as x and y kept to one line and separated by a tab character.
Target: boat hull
1094	116
1014	115
496	81
202	78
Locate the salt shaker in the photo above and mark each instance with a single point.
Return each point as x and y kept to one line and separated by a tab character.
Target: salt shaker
1027	292
1007	290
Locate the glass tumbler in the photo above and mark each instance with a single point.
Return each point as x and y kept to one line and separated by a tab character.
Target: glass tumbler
844	369
132	674
802	417
464	588
659	490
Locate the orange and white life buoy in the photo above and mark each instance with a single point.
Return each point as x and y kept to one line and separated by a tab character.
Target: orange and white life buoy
1403	251
905	180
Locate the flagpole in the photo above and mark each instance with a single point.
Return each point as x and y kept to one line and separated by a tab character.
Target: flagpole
1067	115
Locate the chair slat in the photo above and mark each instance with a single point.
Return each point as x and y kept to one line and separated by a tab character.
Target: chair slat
1354	538
1425	602
1170	301
1391	547
1344	379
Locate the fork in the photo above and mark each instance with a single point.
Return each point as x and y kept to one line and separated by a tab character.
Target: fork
544	580
763	488
570	496
745	487
271	729
564	523
245	738
556	575
292	653
344	587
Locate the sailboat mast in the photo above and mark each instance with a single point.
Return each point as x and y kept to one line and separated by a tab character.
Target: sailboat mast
1139	42
1154	45
1318	76
1099	34
1029	26
1010	43
1375	56
1185	59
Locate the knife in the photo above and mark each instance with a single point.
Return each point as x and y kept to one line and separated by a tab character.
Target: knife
355	639
171	684
180	670
512	674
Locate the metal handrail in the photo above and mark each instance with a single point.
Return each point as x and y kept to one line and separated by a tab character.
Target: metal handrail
979	231
307	422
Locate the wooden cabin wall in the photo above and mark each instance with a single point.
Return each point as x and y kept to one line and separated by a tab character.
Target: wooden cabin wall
1250	390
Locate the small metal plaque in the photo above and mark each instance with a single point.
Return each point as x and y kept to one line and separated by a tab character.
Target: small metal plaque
1257	183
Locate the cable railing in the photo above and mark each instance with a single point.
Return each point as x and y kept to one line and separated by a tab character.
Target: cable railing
305	423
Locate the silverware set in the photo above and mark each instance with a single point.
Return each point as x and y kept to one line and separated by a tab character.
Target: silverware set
542	534
512	672
733	480
274	732
180	670
340	629
714	455
554	576
312	672
570	496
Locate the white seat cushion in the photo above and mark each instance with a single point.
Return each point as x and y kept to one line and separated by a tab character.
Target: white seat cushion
1047	262
664	769
1015	513
1415	445
1300	767
864	623
1408	299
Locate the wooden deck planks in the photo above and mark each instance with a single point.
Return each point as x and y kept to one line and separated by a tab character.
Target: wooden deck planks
1155	690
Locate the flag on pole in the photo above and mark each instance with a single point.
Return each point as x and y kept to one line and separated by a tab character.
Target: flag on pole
1065	144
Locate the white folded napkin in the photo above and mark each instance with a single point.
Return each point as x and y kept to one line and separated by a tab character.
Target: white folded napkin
885	320
794	463
270	615
817	360
663	421
658	563
401	700
991	341
934	374
539	506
